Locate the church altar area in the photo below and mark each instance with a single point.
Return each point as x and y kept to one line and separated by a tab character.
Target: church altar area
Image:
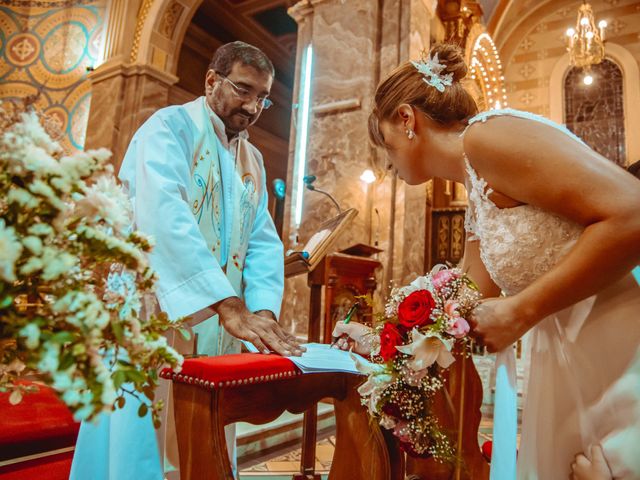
104	67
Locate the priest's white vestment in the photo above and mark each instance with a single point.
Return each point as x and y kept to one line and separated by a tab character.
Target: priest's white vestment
203	198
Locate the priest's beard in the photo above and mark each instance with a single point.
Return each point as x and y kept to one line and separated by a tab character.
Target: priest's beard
235	118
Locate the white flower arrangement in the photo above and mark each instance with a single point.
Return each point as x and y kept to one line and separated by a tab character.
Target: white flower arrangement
73	276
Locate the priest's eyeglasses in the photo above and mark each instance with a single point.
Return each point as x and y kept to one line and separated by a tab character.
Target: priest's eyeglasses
247	95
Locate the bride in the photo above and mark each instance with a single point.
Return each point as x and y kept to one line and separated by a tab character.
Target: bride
556	228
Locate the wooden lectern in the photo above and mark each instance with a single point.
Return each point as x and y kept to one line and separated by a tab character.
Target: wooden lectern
343	276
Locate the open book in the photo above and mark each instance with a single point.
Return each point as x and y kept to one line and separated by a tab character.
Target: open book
321	242
319	358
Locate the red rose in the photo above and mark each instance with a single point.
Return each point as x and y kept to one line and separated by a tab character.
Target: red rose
414	310
389	338
392	409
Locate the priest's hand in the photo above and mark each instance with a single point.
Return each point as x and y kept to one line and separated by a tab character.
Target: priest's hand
354	335
260	328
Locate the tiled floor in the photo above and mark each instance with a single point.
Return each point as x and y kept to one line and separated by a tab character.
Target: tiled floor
284	463
289	462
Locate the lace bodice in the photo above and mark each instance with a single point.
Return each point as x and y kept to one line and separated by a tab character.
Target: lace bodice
519	244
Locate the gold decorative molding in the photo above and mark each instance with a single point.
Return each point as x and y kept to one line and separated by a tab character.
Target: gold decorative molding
170	19
457	236
458	18
116	68
429	189
444	226
137	35
46	4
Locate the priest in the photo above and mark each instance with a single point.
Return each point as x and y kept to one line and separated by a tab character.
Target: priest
198	186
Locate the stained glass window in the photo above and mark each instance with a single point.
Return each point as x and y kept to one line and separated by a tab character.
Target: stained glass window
596	112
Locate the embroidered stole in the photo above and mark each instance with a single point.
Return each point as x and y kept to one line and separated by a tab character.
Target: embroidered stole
225	213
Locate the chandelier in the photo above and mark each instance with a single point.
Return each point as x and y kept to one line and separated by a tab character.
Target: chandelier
585	43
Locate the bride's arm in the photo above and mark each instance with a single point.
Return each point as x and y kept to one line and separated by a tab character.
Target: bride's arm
539	165
472	265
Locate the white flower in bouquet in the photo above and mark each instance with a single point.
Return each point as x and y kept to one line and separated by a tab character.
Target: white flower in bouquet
39	161
42	189
105	200
426	349
420	283
22	197
33	244
29	147
10	251
31	333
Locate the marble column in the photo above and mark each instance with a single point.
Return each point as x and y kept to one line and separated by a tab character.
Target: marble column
124	96
356	43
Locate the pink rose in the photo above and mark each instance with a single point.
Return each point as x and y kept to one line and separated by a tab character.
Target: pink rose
459	328
443	277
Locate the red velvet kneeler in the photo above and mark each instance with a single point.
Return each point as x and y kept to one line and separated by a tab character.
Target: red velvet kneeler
39	423
52	467
233	370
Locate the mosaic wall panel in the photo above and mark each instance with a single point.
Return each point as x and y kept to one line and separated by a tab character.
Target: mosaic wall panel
47	47
596	112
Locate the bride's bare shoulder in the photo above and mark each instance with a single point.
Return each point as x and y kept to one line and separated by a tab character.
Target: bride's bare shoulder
539	163
507	133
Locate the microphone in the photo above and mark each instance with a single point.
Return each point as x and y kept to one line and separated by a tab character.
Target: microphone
308	182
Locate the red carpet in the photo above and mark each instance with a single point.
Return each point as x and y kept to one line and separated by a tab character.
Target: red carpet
55	467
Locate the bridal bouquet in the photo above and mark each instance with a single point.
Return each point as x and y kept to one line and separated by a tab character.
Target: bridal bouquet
73	276
412	345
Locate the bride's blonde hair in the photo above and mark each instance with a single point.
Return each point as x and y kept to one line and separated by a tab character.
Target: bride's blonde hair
406	85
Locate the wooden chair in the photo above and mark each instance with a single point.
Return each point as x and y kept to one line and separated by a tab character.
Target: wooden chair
211	392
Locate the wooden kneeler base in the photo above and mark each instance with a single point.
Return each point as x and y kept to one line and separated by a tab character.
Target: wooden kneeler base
362	451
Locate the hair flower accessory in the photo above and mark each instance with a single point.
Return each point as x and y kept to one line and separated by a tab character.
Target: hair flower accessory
431	70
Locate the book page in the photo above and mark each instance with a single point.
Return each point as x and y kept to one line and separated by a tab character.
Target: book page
319	358
315	240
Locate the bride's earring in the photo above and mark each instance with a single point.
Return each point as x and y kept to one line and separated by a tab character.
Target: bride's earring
410	133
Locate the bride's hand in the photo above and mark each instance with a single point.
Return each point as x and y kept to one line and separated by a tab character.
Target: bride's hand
353	334
595	468
496	323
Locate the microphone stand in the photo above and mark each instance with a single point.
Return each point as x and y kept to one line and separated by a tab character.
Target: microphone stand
314	189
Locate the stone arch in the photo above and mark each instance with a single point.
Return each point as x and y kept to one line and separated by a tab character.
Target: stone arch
491	93
160	29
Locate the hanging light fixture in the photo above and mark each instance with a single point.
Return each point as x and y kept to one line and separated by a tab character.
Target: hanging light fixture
585	42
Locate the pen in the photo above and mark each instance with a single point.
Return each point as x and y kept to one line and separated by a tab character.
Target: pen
347	319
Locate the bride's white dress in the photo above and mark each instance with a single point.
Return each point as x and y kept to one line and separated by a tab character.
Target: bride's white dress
584	383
